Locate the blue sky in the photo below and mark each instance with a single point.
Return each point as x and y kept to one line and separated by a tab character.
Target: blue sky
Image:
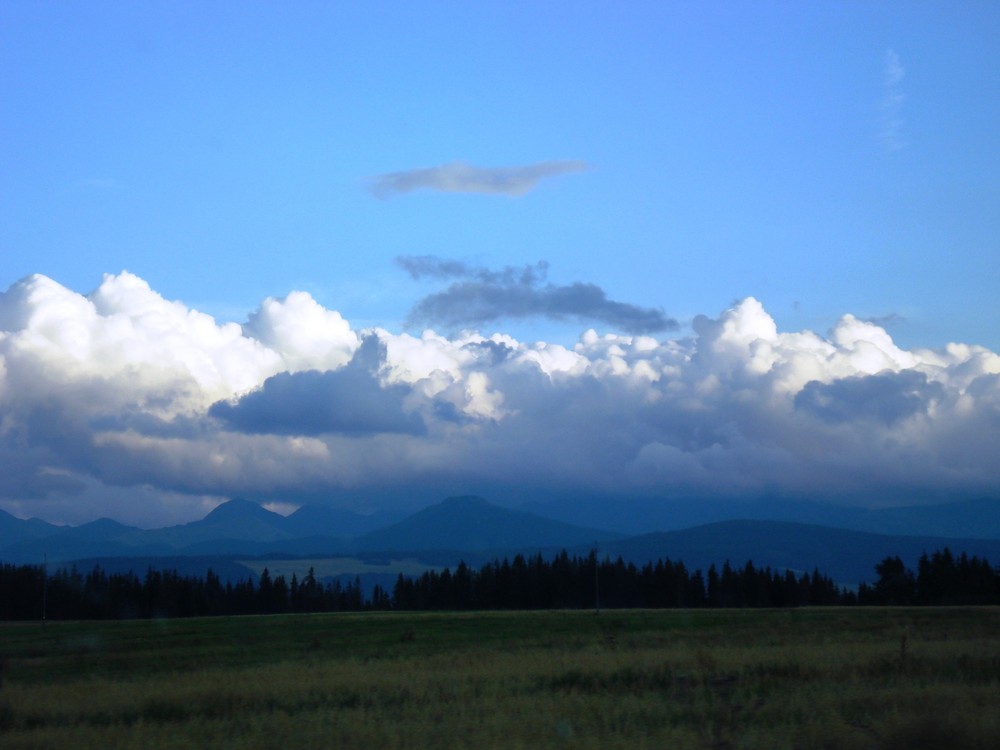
220	151
826	159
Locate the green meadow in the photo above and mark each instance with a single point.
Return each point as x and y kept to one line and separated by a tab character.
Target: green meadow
805	678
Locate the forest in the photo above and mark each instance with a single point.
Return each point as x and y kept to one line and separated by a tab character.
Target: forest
30	592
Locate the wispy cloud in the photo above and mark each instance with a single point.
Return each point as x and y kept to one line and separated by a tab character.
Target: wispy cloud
458	177
482	295
891	116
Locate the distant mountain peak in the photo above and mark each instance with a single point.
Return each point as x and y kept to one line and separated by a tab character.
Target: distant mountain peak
103	523
465	501
239	508
471	523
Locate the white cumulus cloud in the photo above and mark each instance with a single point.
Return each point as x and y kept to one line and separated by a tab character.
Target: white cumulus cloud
121	393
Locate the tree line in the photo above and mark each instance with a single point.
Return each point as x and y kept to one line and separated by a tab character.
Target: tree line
29	592
585	582
940	579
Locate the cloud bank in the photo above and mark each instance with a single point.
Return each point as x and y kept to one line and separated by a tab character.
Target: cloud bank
122	403
483	296
458	177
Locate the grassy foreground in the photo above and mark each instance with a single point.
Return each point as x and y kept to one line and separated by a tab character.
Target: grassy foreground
811	678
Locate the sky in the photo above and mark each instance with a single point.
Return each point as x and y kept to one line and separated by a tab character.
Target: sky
371	254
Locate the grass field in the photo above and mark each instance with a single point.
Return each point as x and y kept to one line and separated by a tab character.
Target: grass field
811	678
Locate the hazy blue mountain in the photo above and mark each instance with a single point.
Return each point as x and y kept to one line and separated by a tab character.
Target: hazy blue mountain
237	519
322	520
978	518
319	546
238	511
475	530
471	524
14	529
630	516
63	543
67	548
236	527
100	530
849	557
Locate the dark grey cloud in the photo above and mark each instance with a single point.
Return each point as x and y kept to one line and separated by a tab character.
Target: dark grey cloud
181	426
23	473
886	397
482	295
459	177
348	401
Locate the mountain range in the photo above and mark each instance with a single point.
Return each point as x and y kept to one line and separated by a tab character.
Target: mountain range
975	518
475	530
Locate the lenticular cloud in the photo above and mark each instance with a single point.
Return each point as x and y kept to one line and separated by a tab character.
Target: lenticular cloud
121	393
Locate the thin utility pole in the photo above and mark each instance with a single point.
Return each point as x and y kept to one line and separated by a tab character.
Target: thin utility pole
597	582
45	585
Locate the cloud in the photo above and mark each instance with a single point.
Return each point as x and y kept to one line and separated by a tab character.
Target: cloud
887	397
891	115
894	70
350	401
458	177
484	296
307	335
119	402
